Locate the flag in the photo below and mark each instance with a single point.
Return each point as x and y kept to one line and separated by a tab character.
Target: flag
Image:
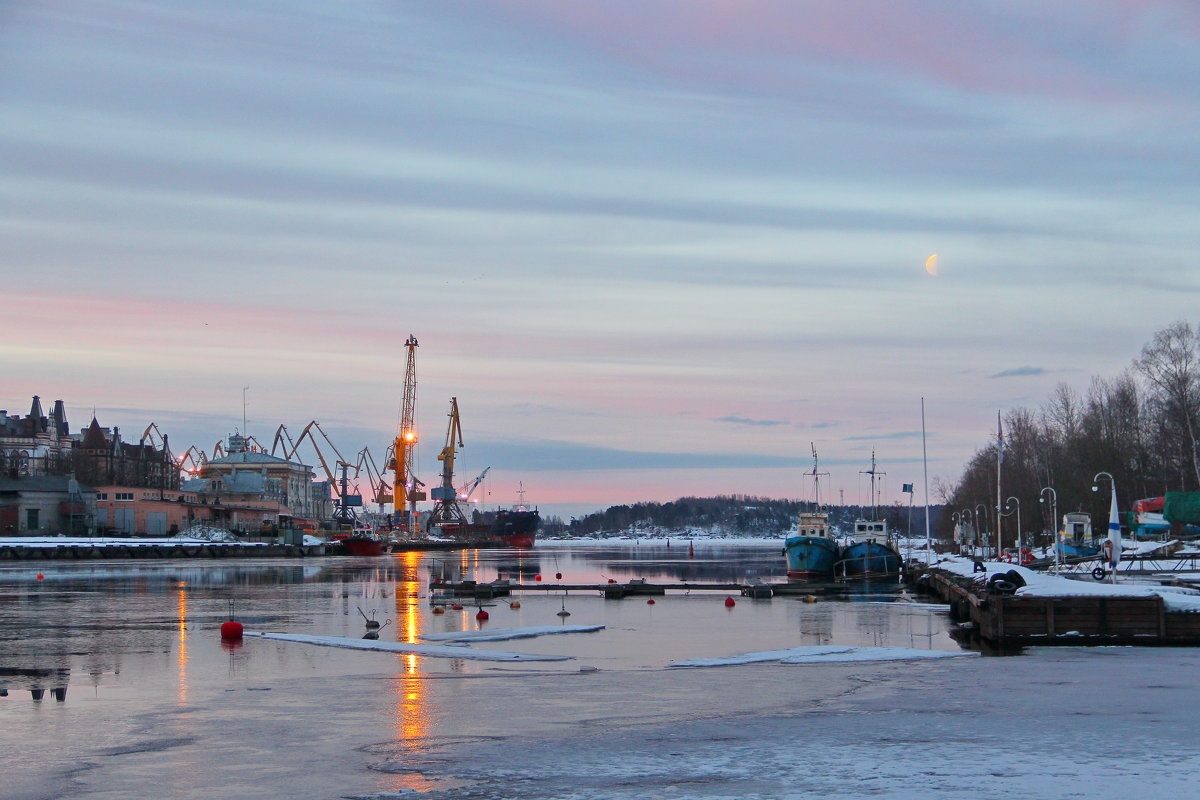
908	488
1114	535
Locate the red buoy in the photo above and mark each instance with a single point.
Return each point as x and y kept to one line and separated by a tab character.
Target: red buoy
41	577
537	577
729	602
231	630
610	580
457	606
558	576
482	615
650	602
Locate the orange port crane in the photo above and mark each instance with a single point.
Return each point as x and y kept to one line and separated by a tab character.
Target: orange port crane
406	489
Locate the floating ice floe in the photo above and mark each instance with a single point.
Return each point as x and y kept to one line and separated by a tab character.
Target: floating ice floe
823	655
431	650
501	634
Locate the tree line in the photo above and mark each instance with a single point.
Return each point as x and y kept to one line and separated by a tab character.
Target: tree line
1139	427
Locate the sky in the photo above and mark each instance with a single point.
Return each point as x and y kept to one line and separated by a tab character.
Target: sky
655	249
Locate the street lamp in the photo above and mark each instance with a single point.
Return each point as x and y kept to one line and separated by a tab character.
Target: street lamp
980	518
1053	520
1008	511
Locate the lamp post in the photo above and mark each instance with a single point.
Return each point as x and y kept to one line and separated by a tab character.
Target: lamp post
1053	520
980	518
1008	511
970	515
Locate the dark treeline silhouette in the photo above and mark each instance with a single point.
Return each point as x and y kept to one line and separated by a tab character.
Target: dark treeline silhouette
732	514
1140	427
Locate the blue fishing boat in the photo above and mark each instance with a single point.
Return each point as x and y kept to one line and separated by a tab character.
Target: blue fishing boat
870	553
812	551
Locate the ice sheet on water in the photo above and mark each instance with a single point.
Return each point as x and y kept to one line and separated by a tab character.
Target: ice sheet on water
431	650
502	634
823	655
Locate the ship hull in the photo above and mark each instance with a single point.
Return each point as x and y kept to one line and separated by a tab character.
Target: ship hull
810	557
364	546
870	560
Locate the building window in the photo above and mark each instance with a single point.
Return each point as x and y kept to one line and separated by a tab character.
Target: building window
101	495
31	519
123	495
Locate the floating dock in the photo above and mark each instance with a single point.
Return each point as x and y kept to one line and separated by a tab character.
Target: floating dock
636	588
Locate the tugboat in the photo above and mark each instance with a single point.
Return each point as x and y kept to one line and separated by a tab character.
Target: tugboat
812	551
355	538
870	553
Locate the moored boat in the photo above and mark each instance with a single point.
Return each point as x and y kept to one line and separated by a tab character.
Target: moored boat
361	541
516	527
812	551
870	553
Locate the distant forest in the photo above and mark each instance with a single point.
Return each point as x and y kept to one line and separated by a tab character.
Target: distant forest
735	515
1138	430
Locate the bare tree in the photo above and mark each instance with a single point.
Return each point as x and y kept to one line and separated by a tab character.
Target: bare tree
1171	363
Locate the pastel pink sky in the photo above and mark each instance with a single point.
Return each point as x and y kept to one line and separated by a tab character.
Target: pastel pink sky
654	248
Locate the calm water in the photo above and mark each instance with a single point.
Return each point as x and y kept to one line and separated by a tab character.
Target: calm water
135	645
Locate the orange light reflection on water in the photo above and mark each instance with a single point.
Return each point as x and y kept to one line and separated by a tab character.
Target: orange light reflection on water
411	705
182	654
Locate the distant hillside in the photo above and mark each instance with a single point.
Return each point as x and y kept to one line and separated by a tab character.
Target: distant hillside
734	515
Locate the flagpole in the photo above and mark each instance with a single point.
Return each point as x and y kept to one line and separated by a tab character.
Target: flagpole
925	464
999	460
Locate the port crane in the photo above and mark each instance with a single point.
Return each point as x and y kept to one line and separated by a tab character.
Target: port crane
445	510
283	441
469	489
406	488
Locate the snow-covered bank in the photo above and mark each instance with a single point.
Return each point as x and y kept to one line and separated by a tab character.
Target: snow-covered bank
505	634
1041	584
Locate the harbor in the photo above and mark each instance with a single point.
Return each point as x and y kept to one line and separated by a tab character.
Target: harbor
137	644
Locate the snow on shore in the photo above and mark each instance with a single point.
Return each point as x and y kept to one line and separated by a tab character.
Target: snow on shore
1040	584
431	650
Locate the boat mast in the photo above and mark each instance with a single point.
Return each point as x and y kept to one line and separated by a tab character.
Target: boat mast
816	476
873	472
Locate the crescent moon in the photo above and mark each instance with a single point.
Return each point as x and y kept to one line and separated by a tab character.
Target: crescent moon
931	265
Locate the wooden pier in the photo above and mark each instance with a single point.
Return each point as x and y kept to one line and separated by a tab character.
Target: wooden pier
1007	619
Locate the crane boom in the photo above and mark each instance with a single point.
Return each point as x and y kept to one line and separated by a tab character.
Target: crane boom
406	439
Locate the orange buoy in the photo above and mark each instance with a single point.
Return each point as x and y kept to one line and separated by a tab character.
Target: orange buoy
650	602
41	577
537	577
515	604
482	615
439	610
729	602
231	630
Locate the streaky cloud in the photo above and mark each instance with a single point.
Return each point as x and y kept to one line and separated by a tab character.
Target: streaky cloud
748	421
1019	372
